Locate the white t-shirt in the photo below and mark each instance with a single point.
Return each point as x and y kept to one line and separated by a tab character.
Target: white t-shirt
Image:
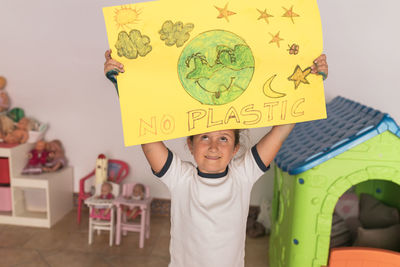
209	211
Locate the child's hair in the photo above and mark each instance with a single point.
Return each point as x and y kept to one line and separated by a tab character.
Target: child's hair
235	131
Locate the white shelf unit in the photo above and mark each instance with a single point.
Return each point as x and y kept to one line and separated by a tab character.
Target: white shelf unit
53	191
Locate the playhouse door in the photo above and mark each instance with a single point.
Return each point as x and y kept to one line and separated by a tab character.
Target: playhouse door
363	257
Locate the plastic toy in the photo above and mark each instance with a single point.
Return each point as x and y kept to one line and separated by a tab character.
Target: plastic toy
105	203
127	200
101	169
37	159
119	173
56	157
365	257
356	146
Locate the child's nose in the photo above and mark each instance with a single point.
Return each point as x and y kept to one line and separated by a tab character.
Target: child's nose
213	145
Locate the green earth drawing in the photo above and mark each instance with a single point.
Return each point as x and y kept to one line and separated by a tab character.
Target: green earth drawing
216	67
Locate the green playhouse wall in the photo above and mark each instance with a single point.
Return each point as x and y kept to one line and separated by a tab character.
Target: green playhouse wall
303	204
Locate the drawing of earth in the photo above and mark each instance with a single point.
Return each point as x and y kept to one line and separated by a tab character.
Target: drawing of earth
216	67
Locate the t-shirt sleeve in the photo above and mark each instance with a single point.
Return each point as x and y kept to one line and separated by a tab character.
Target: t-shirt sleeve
250	165
173	170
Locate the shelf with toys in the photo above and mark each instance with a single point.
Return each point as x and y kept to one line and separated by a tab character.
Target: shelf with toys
36	185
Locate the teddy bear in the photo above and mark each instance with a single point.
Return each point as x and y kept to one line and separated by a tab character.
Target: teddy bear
4	100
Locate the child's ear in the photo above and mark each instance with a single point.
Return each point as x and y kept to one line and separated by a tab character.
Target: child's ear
190	145
236	149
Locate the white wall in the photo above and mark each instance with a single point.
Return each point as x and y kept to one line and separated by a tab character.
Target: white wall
52	55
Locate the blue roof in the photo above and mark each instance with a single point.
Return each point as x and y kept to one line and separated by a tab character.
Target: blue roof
348	124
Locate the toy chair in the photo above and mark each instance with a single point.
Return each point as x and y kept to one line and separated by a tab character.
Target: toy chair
123	225
101	221
117	171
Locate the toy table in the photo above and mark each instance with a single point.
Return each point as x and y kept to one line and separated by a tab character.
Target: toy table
143	227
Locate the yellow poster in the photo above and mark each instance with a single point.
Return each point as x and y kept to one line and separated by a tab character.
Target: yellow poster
199	66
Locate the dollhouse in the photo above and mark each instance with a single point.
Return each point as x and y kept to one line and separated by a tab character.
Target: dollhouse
355	147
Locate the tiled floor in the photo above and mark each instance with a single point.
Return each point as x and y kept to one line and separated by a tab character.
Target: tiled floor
66	244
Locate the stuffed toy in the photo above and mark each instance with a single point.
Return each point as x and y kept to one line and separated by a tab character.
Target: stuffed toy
4	100
20	134
56	158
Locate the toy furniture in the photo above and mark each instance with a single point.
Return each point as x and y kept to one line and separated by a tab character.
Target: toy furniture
356	146
363	257
102	224
117	171
122	224
54	189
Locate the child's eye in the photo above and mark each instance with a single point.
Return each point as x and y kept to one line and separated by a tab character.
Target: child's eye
224	139
204	137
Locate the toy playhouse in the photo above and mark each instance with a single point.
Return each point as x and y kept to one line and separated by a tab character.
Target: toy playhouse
355	147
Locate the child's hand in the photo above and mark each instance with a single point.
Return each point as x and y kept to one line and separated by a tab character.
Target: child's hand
112	64
320	66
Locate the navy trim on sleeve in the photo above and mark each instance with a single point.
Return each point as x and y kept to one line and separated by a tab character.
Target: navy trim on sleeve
165	167
111	76
258	160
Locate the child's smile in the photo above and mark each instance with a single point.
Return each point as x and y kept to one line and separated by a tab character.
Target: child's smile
214	150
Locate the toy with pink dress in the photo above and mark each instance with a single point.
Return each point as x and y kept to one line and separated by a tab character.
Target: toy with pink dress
37	159
138	193
99	211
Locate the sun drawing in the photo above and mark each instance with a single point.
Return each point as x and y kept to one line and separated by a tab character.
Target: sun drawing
126	16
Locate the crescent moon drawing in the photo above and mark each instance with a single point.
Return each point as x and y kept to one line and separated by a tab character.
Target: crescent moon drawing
268	91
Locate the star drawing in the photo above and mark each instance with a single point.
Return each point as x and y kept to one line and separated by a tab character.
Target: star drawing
264	15
275	39
290	14
224	12
299	76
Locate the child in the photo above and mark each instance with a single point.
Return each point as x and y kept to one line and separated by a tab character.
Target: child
137	194
210	201
99	211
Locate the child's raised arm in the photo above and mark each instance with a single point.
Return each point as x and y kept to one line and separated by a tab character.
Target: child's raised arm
156	153
270	144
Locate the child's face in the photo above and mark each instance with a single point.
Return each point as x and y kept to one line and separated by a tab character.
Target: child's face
213	151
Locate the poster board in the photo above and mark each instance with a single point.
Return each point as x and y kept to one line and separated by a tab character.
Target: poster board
199	66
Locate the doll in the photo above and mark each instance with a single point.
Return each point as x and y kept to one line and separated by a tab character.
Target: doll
4	100
99	211
20	134
37	159
137	194
56	158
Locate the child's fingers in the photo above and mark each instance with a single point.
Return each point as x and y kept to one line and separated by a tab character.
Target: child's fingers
113	65
107	54
320	66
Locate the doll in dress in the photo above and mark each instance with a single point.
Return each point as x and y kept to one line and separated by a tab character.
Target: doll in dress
56	157
137	194
99	211
37	159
